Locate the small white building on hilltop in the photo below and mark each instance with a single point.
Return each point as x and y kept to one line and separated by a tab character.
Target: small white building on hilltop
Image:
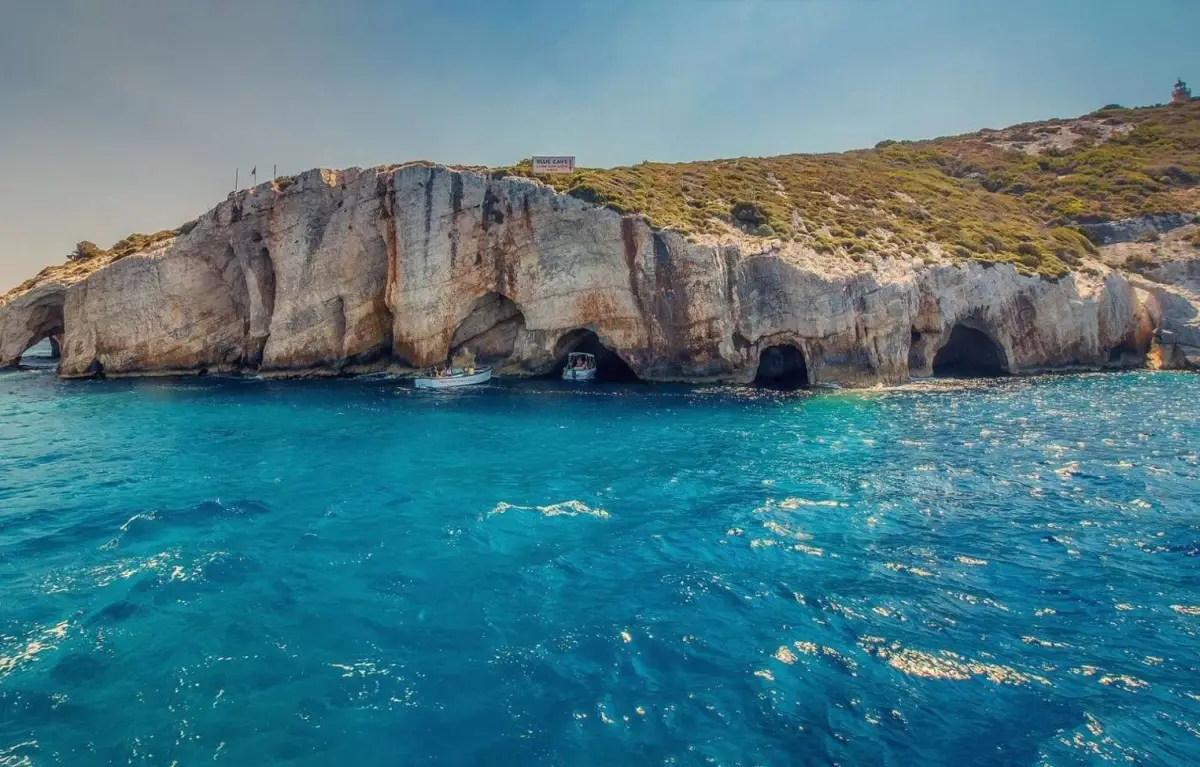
1182	94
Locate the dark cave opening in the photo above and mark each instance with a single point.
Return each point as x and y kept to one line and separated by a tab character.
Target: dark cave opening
1125	354
782	367
609	365
969	353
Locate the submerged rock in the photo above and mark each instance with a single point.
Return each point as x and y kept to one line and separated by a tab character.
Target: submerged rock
348	271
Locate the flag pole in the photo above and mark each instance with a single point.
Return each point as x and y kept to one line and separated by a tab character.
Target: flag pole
235	178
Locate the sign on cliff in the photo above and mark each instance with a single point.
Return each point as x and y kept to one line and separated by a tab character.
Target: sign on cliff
553	164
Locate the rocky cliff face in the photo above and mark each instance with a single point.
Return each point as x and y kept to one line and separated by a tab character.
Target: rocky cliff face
345	271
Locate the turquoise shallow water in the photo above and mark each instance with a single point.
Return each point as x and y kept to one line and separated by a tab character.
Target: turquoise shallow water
348	572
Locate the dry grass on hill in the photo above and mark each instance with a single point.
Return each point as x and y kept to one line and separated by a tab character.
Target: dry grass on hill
1013	195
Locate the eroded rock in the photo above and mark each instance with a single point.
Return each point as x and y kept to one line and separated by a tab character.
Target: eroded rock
343	271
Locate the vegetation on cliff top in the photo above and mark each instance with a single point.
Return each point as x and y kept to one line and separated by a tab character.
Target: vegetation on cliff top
87	256
1016	195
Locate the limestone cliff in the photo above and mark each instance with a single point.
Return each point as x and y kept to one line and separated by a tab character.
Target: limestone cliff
342	271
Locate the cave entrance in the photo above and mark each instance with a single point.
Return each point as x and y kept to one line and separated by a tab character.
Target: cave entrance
969	353
1126	354
782	367
609	365
490	330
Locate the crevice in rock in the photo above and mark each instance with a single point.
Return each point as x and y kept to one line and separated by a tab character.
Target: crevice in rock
782	367
916	356
610	366
969	353
264	269
490	330
259	327
339	332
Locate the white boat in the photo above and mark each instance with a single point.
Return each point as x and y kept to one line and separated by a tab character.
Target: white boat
455	378
580	367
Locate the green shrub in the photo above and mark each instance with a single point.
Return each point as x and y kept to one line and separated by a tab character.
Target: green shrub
1138	263
1150	236
747	213
84	251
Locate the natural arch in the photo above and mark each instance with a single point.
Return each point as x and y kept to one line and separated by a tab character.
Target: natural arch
43	321
609	365
782	367
969	353
490	330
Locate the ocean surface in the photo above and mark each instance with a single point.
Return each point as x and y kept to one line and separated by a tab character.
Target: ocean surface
349	572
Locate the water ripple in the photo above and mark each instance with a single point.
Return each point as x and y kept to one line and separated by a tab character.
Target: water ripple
250	571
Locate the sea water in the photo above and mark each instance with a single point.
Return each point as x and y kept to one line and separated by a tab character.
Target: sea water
353	573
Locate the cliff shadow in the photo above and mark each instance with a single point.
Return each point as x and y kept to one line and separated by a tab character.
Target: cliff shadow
609	365
490	330
970	353
782	367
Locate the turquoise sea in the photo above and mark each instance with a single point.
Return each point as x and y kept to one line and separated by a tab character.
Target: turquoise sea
349	572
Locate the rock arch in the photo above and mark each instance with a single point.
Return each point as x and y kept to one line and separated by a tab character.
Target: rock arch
490	330
32	318
610	366
782	366
970	352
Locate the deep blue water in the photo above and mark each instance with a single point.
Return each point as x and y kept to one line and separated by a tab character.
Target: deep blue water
349	572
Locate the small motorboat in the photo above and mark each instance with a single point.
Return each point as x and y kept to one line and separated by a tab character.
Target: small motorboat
580	367
452	378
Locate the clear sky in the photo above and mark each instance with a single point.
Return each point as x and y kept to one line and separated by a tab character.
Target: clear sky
131	115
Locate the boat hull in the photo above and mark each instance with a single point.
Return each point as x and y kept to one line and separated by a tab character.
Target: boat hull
572	374
454	381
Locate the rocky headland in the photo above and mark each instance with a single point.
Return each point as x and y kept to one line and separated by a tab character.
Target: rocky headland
1000	252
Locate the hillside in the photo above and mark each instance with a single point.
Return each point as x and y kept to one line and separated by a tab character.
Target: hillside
1015	195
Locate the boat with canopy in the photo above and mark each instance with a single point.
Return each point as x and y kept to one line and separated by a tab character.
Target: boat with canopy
580	367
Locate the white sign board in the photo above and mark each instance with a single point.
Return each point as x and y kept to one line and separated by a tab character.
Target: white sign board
553	164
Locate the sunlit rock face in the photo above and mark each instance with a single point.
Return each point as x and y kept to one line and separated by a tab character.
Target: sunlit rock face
347	271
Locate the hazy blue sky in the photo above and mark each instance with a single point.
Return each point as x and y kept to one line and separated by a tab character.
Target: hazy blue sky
131	115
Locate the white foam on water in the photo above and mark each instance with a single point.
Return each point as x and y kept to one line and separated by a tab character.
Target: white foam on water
572	508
